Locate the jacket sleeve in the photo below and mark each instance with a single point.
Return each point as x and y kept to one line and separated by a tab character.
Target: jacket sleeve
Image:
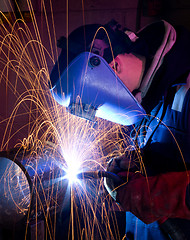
153	198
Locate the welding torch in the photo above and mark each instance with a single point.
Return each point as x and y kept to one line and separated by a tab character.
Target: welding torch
99	174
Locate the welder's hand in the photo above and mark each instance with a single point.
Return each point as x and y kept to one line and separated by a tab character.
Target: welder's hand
116	165
110	187
154	198
121	163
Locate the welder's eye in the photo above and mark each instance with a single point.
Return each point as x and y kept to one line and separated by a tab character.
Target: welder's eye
96	52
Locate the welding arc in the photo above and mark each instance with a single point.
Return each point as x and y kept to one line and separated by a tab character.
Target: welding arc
99	174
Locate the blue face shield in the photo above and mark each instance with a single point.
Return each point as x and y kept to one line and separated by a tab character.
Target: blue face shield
89	88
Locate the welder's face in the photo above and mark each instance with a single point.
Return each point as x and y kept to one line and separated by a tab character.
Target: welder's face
129	68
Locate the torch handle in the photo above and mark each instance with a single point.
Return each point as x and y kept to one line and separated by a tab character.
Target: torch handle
99	174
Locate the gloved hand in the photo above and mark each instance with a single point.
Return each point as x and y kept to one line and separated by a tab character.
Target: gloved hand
122	163
152	198
116	165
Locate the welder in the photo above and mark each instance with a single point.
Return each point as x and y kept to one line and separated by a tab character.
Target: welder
154	65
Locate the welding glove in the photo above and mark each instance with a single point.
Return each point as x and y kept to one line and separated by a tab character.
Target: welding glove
154	198
125	162
121	163
116	165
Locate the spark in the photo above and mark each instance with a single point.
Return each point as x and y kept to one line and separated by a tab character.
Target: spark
54	145
72	171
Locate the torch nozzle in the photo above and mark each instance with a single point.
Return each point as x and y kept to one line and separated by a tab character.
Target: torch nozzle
99	174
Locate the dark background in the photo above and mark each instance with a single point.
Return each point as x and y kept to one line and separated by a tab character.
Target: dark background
48	21
56	18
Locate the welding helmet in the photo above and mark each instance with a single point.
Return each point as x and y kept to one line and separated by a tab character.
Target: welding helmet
83	81
89	88
107	41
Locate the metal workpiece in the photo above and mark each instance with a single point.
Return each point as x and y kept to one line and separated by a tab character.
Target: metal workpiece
30	183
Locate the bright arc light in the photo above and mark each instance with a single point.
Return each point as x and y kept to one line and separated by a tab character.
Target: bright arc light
73	168
72	175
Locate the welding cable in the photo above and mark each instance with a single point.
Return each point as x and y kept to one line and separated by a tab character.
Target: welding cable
172	229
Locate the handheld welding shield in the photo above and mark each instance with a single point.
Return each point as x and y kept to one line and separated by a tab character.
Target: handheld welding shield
88	87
